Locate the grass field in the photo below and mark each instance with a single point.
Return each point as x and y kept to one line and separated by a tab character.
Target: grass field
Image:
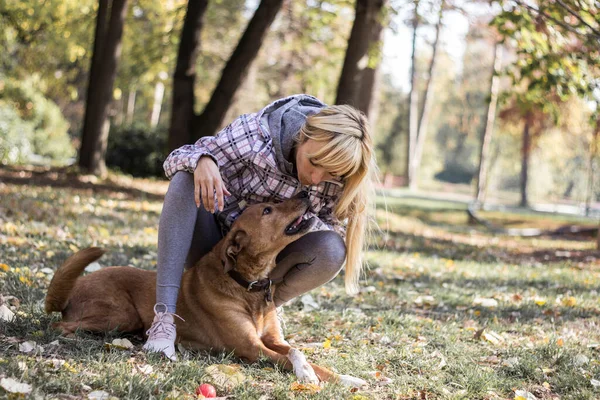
447	310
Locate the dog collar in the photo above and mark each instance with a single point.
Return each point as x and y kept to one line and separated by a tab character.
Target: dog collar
254	286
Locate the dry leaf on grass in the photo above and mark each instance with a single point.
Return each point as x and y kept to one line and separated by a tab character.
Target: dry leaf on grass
226	376
487	303
310	388
100	395
489	336
6	314
13	386
30	347
119	344
524	395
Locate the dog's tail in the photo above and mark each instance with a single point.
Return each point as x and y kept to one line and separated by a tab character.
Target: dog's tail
64	279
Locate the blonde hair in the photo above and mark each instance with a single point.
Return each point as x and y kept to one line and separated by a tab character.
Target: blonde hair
348	153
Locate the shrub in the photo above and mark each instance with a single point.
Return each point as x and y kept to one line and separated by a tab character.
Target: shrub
36	126
137	150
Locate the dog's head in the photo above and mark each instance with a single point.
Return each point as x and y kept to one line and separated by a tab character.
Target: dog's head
261	232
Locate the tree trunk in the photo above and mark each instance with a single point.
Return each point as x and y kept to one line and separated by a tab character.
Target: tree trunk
413	108
159	93
86	148
130	105
489	127
370	75
235	71
590	168
184	78
95	131
426	106
525	152
365	29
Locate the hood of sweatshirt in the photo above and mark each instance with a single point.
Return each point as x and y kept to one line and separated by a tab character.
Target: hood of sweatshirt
283	120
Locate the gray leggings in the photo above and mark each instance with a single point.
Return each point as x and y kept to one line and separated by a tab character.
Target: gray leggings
186	233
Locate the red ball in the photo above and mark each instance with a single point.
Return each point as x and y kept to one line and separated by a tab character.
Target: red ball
206	390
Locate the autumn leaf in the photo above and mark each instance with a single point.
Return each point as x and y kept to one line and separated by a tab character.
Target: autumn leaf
569	301
524	395
309	388
13	386
120	344
227	376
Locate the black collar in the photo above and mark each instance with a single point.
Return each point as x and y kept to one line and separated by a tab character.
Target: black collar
254	286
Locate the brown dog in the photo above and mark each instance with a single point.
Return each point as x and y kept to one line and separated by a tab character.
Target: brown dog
219	313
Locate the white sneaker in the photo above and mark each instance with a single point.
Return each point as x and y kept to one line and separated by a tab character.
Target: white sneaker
162	333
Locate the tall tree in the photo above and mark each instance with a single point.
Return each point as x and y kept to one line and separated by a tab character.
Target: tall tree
107	50
413	99
182	110
486	136
416	155
366	33
556	43
235	71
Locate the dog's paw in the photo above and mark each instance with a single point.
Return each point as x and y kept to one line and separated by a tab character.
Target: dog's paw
352	381
304	372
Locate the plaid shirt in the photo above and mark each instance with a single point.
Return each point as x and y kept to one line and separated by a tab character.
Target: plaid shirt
244	153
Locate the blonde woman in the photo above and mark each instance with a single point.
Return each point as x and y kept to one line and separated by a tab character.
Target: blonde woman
294	144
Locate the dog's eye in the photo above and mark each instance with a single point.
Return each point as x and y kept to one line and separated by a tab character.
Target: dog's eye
267	210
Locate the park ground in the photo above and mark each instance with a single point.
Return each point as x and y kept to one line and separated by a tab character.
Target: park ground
447	310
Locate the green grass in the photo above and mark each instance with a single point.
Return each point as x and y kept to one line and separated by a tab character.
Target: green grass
414	332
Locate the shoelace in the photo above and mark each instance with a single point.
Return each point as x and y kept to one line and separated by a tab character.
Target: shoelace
161	329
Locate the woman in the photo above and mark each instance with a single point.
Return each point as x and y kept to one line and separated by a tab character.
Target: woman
296	143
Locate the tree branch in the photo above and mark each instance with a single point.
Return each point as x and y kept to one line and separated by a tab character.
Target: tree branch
560	23
576	15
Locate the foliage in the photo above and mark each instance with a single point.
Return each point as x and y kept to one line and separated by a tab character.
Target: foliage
137	150
43	129
557	52
459	137
15	146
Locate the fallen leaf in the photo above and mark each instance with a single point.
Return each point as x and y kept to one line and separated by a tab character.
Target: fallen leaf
569	301
539	301
510	362
122	343
580	360
119	344
30	346
99	395
309	388
143	369
327	343
425	300
227	376
13	386
6	314
309	303
484	302
492	337
524	395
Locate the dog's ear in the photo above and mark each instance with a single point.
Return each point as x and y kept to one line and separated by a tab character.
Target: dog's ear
234	244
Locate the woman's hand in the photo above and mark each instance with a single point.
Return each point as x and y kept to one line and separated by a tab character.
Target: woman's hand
207	183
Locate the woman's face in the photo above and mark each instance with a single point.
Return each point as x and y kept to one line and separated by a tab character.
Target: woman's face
308	173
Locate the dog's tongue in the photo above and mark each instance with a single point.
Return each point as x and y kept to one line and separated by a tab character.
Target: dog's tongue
298	220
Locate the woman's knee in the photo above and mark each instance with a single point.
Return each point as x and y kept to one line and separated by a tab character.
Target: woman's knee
330	251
